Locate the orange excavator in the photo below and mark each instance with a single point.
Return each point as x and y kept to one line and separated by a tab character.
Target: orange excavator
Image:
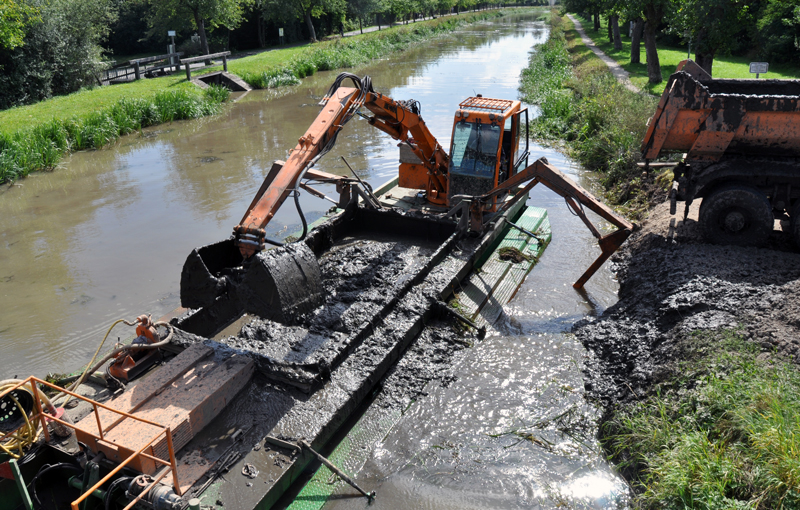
484	172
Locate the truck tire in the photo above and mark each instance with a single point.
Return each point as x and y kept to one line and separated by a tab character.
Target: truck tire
795	218
736	214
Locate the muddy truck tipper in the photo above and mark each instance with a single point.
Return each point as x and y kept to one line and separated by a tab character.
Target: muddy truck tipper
740	141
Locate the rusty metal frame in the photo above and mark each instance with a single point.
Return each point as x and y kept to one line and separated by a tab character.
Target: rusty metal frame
170	465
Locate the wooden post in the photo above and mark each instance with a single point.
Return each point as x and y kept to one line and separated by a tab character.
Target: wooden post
225	63
188	73
136	71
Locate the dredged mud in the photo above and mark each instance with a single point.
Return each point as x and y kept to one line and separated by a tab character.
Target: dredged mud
671	285
361	276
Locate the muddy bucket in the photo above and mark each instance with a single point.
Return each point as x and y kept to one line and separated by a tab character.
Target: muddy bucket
277	284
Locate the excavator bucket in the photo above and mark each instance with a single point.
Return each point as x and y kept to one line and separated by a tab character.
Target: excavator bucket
277	284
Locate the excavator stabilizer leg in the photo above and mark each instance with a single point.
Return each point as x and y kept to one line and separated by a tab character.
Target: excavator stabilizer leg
277	284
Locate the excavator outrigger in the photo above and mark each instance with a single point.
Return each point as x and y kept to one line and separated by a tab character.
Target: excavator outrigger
485	172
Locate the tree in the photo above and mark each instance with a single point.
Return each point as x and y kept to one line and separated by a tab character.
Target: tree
636	39
307	9
203	13
654	12
713	25
15	17
362	10
61	52
777	30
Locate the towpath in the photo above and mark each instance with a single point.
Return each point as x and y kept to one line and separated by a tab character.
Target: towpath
619	73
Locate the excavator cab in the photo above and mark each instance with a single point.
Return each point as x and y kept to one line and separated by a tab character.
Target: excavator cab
485	149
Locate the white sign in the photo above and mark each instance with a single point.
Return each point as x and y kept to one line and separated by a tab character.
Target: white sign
280	32
170	33
759	67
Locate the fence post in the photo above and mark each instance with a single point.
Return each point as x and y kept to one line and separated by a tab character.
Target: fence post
188	73
136	70
225	63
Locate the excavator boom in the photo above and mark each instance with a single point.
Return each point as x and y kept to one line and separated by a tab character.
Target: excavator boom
261	280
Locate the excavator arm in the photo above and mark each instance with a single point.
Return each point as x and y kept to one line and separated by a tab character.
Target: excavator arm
400	119
339	107
574	195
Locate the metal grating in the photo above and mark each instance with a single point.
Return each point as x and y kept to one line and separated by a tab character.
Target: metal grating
486	104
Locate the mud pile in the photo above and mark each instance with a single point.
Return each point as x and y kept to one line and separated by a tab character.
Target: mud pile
361	277
671	285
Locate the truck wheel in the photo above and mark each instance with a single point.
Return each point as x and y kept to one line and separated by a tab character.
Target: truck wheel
736	214
796	223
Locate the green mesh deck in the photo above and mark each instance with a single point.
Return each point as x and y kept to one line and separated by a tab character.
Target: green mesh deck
482	298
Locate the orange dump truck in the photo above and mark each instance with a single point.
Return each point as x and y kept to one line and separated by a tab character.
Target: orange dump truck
740	141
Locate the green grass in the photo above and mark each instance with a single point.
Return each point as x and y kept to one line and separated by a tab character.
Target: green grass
722	432
269	71
669	56
29	135
601	122
41	146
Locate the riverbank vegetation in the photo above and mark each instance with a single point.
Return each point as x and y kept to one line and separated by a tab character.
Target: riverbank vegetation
600	122
40	147
721	431
766	30
31	136
670	54
260	71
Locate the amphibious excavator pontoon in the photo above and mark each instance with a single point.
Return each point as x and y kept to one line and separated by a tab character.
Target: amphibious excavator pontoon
275	349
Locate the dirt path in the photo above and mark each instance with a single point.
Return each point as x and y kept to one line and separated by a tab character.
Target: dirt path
619	73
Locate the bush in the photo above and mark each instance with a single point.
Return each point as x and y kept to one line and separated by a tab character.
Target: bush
41	148
61	52
351	52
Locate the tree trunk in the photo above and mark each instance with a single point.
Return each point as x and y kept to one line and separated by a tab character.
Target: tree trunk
596	21
310	26
653	65
360	27
636	39
703	56
201	27
262	43
609	30
615	29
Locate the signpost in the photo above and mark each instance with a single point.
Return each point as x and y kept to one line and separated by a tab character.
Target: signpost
759	68
171	48
280	35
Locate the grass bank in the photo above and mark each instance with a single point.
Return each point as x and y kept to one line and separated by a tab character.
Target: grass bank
600	122
42	146
262	71
725	66
722	431
31	137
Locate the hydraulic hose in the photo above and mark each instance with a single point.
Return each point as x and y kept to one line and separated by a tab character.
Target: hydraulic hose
28	433
300	212
138	347
114	484
112	354
45	469
77	383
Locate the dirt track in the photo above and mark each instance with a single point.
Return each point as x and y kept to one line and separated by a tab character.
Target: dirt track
671	284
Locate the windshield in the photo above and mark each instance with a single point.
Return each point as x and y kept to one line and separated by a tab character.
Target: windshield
475	149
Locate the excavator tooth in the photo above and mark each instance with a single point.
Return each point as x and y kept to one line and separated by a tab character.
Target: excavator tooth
278	284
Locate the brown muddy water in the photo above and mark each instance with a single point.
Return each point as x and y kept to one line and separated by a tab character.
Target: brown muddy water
106	234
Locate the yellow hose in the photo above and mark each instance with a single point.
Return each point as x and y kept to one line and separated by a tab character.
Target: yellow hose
86	370
28	433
